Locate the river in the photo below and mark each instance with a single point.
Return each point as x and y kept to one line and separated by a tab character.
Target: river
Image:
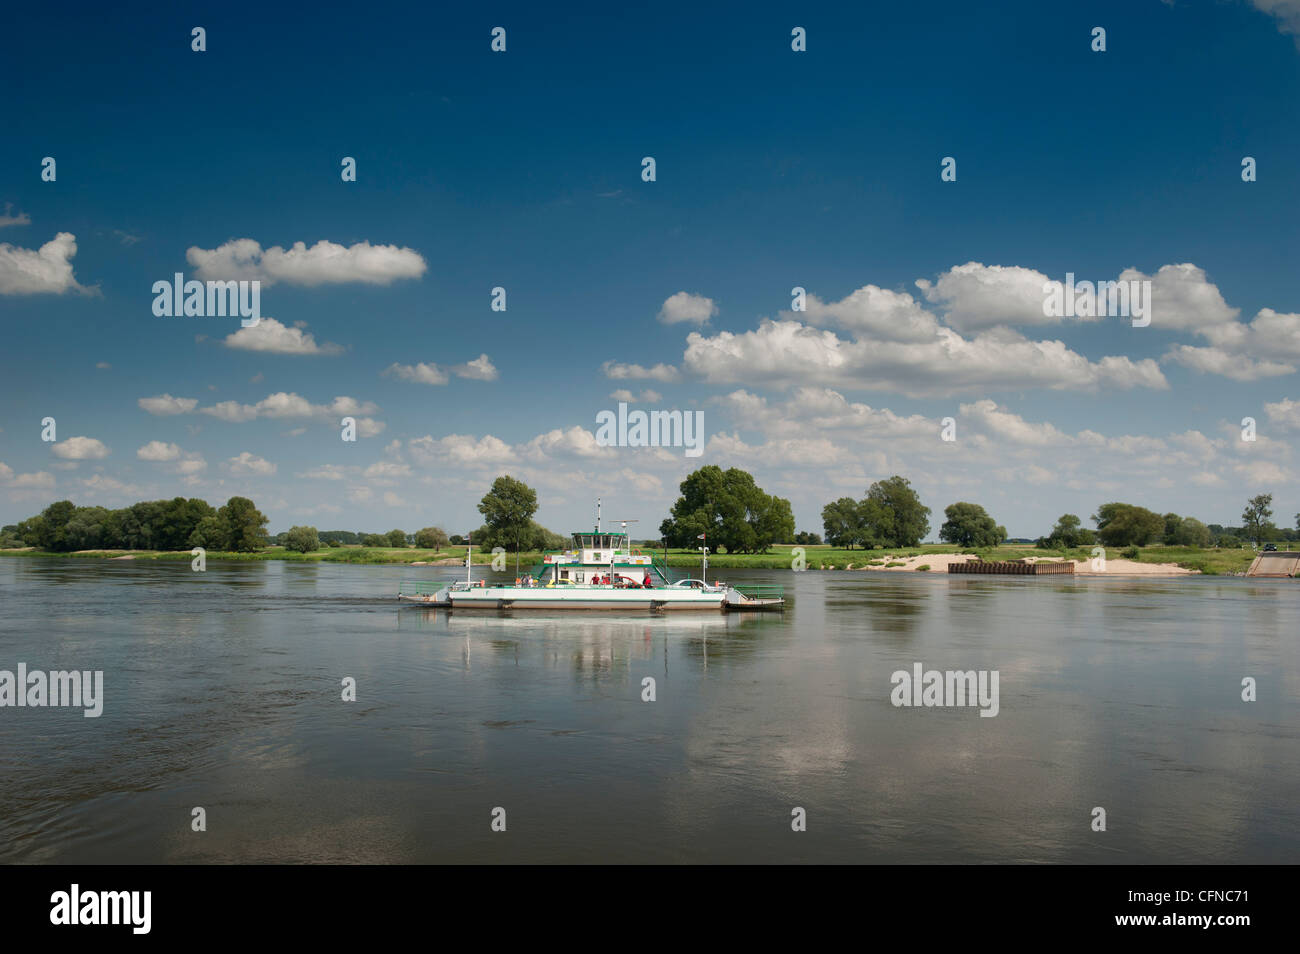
222	690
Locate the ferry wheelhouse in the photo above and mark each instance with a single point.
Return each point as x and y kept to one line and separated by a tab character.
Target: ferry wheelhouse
602	558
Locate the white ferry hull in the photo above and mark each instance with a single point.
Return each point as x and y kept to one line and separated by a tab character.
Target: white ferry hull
594	598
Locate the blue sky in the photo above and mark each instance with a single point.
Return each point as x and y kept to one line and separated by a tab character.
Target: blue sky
775	169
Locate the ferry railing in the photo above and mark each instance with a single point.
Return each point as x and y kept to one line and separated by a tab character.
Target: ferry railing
419	588
759	591
664	573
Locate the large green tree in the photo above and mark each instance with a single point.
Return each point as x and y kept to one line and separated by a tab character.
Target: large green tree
842	523
51	531
179	518
508	510
302	539
1190	532
140	524
1172	523
86	529
31	531
730	509
969	525
1255	518
1122	525
431	538
893	515
209	534
244	525
1068	533
773	523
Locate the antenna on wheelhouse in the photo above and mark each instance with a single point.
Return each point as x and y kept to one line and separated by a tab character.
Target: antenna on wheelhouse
598	515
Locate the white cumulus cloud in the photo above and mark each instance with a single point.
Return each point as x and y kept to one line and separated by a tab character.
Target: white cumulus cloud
80	448
461	449
975	296
47	270
284	405
421	373
325	263
1285	412
7	218
158	451
684	306
790	353
480	369
630	372
247	464
164	405
271	336
40	480
1287	13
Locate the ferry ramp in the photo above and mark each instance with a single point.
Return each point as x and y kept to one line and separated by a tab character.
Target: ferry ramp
1281	563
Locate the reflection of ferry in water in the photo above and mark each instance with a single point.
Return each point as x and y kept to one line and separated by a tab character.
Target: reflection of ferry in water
600	571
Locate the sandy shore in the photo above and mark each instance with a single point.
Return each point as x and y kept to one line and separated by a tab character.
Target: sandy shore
938	563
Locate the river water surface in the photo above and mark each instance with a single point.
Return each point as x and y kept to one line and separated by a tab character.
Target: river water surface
223	691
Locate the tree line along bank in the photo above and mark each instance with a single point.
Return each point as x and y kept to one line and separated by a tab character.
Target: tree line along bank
725	510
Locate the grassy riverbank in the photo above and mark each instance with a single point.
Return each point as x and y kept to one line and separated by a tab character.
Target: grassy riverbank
1209	561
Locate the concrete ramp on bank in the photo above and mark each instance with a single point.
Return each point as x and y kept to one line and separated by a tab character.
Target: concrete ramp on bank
1276	564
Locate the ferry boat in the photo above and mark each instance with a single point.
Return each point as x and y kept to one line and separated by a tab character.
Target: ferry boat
601	570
